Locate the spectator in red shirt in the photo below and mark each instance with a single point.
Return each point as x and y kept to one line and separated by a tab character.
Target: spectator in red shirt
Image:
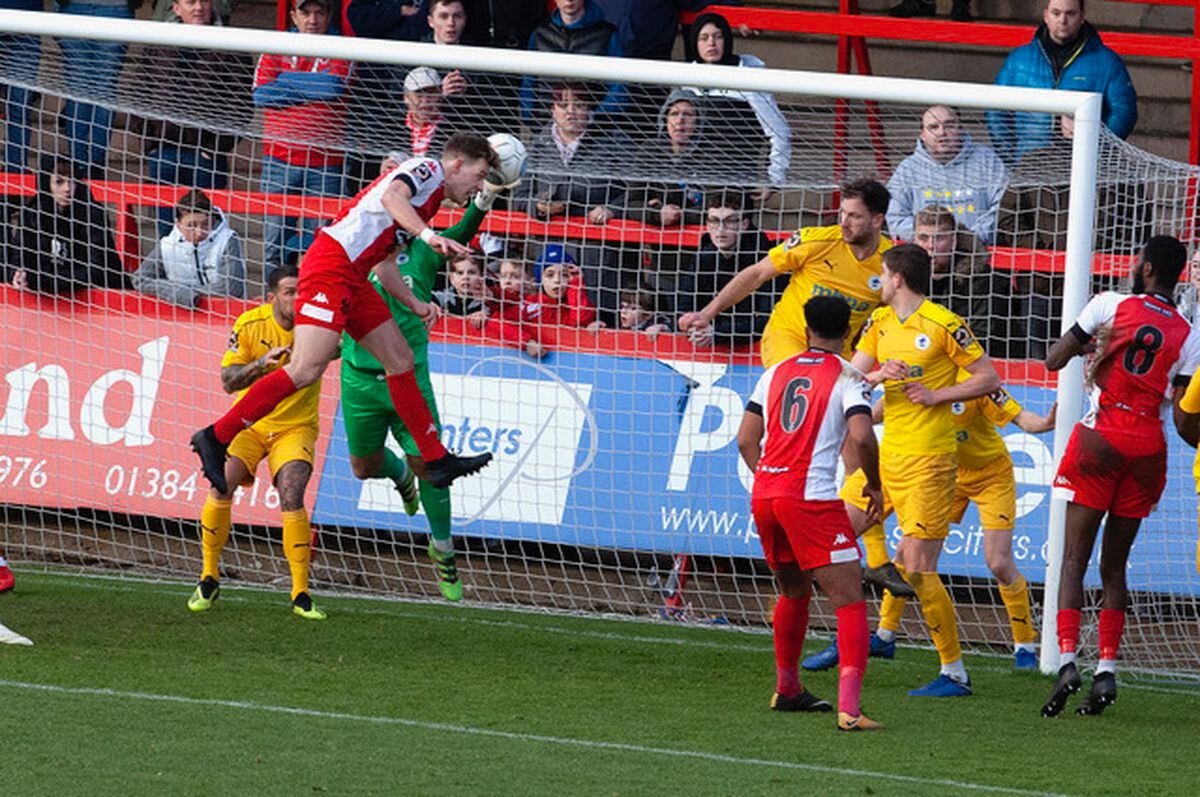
303	99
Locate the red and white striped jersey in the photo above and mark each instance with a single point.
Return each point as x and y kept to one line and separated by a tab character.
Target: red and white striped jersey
1142	346
805	401
366	230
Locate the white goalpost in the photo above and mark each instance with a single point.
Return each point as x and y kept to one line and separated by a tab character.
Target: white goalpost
615	456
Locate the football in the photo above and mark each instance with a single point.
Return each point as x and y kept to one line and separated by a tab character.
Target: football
512	159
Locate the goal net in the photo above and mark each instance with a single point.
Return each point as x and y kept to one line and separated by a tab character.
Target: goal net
616	488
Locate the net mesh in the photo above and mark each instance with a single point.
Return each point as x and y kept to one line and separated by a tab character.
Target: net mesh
617	487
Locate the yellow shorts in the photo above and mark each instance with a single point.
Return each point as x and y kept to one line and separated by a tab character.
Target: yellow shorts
778	344
851	493
921	489
296	443
994	491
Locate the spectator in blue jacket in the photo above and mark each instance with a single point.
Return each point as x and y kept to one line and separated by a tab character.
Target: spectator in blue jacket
1066	53
19	55
648	28
577	27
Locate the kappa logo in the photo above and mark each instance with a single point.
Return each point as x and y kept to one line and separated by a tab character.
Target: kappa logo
321	298
841	539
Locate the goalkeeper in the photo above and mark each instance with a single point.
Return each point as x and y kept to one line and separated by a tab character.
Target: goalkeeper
367	407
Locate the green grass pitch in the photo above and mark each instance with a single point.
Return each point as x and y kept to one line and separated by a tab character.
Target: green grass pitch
125	692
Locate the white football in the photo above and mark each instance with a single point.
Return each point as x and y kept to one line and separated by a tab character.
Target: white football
511	153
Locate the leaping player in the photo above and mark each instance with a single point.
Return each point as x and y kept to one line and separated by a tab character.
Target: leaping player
801	412
334	294
1116	461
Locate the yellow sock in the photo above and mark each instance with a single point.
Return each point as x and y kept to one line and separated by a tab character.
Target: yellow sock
939	614
876	545
1016	601
296	537
214	533
892	609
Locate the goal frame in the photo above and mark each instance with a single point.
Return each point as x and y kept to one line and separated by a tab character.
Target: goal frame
1083	107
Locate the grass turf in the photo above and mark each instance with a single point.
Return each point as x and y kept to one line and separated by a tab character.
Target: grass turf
398	698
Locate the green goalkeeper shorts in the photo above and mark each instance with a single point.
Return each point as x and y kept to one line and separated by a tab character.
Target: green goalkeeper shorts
368	413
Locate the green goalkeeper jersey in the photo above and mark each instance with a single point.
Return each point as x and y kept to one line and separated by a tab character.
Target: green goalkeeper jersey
420	270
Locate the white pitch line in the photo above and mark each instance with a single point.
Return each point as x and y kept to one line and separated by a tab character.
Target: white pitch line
467	730
453	615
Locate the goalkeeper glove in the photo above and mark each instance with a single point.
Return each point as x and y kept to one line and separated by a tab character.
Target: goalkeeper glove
485	198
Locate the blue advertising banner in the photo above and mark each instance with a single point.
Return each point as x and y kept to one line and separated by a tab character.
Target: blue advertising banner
641	454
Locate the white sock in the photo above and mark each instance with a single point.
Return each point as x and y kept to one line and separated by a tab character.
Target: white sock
443	546
886	634
1066	658
3	562
1107	665
1029	647
956	670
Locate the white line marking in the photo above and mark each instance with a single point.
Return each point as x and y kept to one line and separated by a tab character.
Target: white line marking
468	730
454	615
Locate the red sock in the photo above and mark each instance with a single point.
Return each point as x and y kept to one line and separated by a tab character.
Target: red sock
411	407
1112	626
790	623
262	397
1068	630
853	641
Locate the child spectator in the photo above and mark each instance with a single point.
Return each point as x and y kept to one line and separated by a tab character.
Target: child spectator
303	99
467	294
61	242
638	313
201	256
563	299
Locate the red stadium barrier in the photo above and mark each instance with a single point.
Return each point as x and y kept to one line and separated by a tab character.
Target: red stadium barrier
126	196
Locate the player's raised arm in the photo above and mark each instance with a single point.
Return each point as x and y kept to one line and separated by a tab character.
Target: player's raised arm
1069	345
397	201
744	283
1077	340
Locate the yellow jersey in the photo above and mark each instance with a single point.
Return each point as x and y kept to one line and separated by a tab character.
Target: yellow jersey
1190	403
255	333
934	343
976	423
822	264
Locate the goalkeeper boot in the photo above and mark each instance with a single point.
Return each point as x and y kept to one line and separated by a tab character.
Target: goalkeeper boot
806	701
1068	683
205	595
888	577
407	487
441	472
1102	695
943	686
447	572
848	722
212	457
303	606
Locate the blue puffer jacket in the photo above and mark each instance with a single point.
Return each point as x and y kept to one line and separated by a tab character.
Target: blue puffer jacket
1093	67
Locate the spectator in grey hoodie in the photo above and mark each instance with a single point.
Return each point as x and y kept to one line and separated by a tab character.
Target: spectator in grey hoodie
201	256
948	169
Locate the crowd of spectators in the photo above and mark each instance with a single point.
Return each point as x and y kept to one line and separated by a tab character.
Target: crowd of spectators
693	157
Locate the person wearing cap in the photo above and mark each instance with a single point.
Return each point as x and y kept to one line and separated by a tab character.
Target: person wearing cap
303	100
425	125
